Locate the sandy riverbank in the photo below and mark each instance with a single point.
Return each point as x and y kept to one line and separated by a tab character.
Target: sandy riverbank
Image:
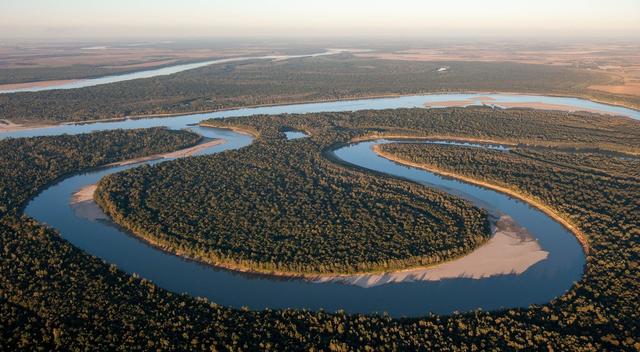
83	205
434	137
511	250
41	84
177	154
8	126
237	129
581	237
508	105
82	201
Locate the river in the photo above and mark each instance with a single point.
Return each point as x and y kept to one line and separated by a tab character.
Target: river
164	71
539	283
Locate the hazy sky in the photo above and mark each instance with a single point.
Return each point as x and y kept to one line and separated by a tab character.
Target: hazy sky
178	18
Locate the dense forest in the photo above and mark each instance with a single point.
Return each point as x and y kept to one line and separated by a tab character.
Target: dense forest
588	159
28	164
265	82
514	126
53	296
278	205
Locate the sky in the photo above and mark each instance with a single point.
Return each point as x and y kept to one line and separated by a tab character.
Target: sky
317	18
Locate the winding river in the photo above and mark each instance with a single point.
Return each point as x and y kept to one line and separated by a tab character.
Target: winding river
548	277
164	71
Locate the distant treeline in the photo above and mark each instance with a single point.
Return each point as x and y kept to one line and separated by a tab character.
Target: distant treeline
77	71
264	82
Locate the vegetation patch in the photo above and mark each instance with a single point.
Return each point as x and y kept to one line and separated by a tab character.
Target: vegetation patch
259	82
31	163
280	206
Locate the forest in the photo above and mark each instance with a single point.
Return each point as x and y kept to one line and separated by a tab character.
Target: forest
309	79
28	163
513	126
279	206
54	296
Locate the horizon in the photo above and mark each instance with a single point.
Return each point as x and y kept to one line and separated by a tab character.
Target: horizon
252	19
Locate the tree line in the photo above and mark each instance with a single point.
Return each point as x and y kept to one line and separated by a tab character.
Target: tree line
264	82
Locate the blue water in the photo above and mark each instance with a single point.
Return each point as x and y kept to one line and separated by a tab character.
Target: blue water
542	282
413	101
295	135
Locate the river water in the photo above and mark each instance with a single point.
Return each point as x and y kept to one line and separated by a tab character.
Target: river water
413	101
542	282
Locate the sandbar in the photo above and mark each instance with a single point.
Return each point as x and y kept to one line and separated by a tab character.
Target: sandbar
8	126
508	105
83	205
14	86
511	250
177	154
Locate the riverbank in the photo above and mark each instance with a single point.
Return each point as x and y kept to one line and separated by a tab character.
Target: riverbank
8	126
82	201
37	84
512	105
580	236
176	154
511	250
83	205
317	101
237	129
434	137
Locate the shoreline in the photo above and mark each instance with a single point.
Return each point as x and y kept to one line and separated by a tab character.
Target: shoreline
510	250
435	137
346	277
36	84
82	201
581	237
504	142
42	124
486	101
237	129
7	126
189	151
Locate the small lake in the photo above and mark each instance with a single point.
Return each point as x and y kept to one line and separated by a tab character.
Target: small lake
295	135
